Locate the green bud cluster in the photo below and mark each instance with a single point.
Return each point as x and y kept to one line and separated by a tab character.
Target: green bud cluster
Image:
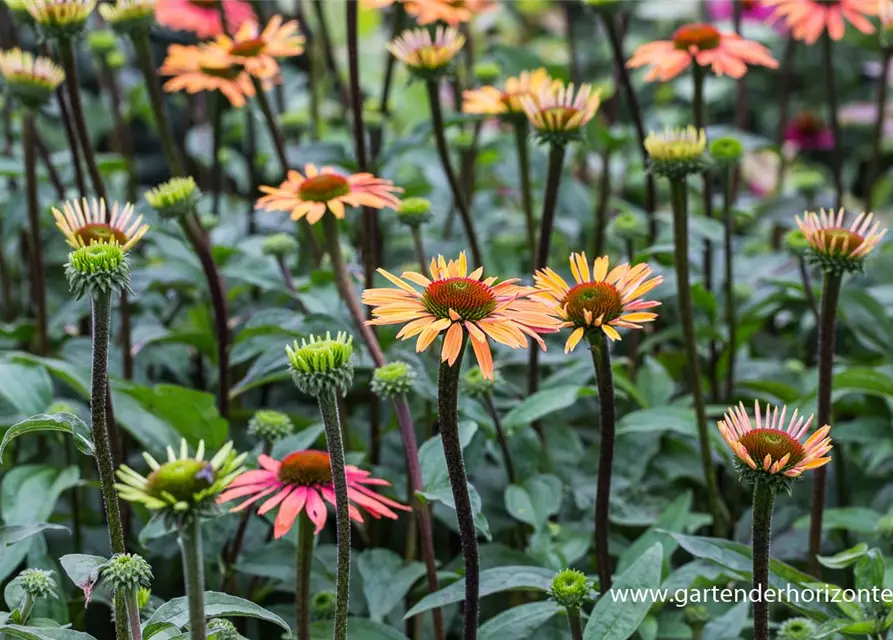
726	151
37	583
175	198
319	365
280	245
476	385
571	589
393	379
270	425
487	72
797	629
127	572
414	212
222	629
97	268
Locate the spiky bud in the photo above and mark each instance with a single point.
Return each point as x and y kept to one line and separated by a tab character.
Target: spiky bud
98	268
175	198
393	379
60	19
320	365
628	225
696	616
116	60
726	151
126	572
322	606
796	243
676	153
884	527
414	212
571	589
129	16
476	385
280	245
37	583
797	629
102	42
487	72
270	425
30	79
223	629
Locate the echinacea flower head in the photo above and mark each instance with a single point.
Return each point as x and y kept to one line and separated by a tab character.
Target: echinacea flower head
797	629
322	365
676	153
809	19
726	150
491	100
457	302
726	53
184	486
302	483
257	50
429	57
280	245
175	198
601	301
30	79
751	10
414	212
98	268
206	67
772	451
60	18
270	425
451	12
202	17
393	379
808	132
129	16
836	248
19	10
558	112
316	191
126	572
571	589
37	583
84	222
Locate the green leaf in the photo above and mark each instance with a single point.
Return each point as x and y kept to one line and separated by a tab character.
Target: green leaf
491	581
357	629
535	500
870	570
541	404
844	558
27	387
432	460
858	519
83	570
615	620
731	624
664	419
673	518
518	622
65	422
386	579
443	493
862	380
17	533
217	605
301	440
43	633
193	414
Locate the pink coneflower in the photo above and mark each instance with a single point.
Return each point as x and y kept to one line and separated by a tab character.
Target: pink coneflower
808	132
302	481
201	17
808	19
754	10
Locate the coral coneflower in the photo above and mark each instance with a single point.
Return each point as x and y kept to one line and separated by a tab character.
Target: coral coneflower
725	53
457	302
31	79
84	222
427	54
202	17
258	50
491	100
302	481
836	247
561	110
207	67
601	300
60	17
452	12
808	19
808	132
316	191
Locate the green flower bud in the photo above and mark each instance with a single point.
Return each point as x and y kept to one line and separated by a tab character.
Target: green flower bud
126	572
37	583
796	242
129	16
143	597
487	72
696	616
414	212
270	425
60	19
571	589
208	221
280	245
322	606
797	629
476	385
628	226
60	407
102	42
116	60
726	150
393	379
29	79
97	268
320	365
175	198
676	153
223	629
884	527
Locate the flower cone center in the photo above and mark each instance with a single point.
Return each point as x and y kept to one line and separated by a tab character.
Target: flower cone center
843	241
601	299
324	187
225	71
749	5
248	48
99	232
777	444
181	479
700	36
471	299
808	123
306	469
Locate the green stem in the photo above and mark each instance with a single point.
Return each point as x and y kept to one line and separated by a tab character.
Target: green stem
574	623
763	501
601	359
731	324
419	247
35	247
679	195
874	165
303	565
23	611
446	163
601	207
501	438
328	407
448	412
831	87
72	140
785	82
102	311
522	130
217	107
827	328
131	602
194	575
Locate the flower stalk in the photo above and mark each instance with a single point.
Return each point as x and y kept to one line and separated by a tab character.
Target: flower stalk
601	359
501	438
763	502
448	412
303	566
522	132
190	540
728	217
831	88
456	189
874	164
35	249
574	623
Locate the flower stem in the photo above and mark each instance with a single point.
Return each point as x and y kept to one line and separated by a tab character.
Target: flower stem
102	318
574	623
217	106
455	187
131	602
731	324
831	87
501	438
303	565
194	575
635	112
679	195
448	411
328	51
763	501
601	359
69	64
35	248
601	207
71	139
522	130
784	100
874	165
827	328
419	247
328	407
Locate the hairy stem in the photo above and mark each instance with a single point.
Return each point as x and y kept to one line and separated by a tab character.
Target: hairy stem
190	540
501	438
216	184
419	248
574	623
831	88
522	130
303	565
874	164
763	501
601	207
601	359
131	602
35	246
731	324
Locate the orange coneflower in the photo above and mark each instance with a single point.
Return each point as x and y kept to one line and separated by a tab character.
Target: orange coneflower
725	53
84	222
316	190
202	17
206	67
452	12
418	50
257	50
808	19
601	300
491	100
457	302
836	247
